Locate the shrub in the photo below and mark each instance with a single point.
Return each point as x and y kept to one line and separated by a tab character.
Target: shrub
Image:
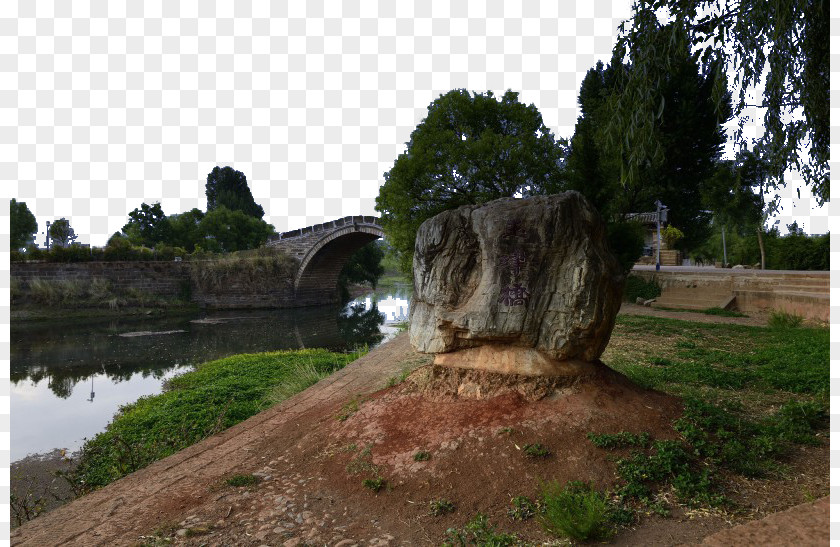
627	241
636	287
575	511
376	484
421	456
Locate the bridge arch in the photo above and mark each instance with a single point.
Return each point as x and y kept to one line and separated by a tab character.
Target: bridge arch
316	279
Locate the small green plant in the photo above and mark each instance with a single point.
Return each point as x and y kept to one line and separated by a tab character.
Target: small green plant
575	511
376	484
421	456
478	531
362	463
348	409
242	480
399	378
780	319
440	507
504	431
522	508
535	450
619	440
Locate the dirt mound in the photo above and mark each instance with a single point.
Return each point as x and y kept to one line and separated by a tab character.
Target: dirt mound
426	442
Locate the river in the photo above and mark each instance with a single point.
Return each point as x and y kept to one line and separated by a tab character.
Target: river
69	378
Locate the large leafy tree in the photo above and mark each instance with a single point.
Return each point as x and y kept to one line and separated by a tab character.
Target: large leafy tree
780	46
470	148
689	128
185	229
223	230
147	225
228	188
61	233
22	224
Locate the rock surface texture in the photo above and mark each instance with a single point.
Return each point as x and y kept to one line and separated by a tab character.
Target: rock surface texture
531	278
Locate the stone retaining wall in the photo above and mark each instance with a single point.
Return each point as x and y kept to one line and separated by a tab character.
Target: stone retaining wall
801	293
158	278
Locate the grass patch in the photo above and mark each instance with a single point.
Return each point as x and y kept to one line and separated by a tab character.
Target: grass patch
536	450
440	507
195	405
783	320
301	375
242	480
751	394
479	531
421	456
575	511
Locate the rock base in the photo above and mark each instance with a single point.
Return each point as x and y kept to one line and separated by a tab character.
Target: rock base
505	359
437	382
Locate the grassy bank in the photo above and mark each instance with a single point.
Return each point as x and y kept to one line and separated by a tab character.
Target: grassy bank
755	400
195	405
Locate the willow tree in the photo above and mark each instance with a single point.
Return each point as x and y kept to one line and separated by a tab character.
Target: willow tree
778	46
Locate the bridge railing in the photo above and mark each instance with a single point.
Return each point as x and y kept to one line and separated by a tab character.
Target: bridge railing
331	225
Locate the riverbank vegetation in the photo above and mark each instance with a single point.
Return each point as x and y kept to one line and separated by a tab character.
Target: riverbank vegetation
196	405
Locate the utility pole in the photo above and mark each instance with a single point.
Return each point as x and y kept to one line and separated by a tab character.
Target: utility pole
658	232
723	236
47	242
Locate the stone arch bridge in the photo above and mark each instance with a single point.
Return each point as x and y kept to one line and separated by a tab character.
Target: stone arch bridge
322	250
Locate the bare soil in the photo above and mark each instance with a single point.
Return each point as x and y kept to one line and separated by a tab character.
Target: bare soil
313	453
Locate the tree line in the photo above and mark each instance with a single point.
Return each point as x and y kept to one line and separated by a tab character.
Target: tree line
651	127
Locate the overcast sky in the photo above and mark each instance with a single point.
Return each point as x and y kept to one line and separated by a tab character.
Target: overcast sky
113	103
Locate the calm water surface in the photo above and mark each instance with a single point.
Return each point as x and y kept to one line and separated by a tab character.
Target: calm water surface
70	378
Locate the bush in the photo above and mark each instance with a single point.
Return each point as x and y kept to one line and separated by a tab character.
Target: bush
636	287
71	253
627	241
575	511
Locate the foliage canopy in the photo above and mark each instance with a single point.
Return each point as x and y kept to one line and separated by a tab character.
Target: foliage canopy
781	45
470	149
22	224
228	188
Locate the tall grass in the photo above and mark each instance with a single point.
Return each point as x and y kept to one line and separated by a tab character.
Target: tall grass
248	269
780	319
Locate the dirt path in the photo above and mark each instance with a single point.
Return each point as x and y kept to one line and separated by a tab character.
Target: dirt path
184	497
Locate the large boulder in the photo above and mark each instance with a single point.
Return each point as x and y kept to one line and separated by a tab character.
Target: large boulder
525	286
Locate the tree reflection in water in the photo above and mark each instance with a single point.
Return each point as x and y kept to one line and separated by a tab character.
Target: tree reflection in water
65	355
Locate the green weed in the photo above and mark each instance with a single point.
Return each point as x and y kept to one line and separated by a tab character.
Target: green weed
421	456
348	409
522	508
619	440
376	484
635	287
242	480
535	450
299	377
479	531
440	507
